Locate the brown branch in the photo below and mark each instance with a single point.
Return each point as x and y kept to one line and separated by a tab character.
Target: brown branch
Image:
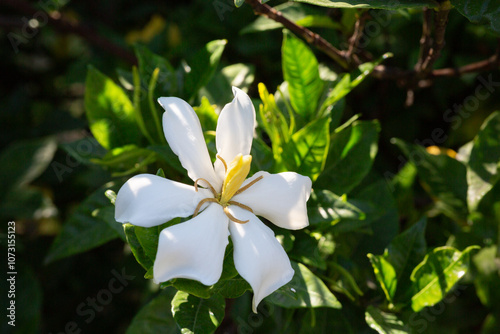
66	26
440	21
425	40
492	63
311	37
356	36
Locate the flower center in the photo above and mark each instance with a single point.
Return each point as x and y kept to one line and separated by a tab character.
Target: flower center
236	174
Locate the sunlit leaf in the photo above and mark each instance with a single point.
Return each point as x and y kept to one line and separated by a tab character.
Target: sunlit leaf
436	275
384	323
300	70
109	111
380	4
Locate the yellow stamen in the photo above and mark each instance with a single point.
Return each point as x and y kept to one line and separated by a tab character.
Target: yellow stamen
242	189
235	175
243	206
203	201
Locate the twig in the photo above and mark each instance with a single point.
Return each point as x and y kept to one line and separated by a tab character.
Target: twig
425	40
311	37
356	36
489	64
66	26
440	21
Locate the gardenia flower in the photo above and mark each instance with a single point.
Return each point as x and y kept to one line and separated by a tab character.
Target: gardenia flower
221	202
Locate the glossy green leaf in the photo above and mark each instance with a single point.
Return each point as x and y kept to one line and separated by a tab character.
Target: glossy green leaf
486	13
383	322
24	161
109	111
239	3
305	249
155	317
351	155
196	315
300	70
202	67
444	179
307	149
487	276
436	275
484	161
84	150
84	229
379	4
324	207
304	290
394	267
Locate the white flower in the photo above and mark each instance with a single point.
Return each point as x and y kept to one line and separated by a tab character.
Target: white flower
227	203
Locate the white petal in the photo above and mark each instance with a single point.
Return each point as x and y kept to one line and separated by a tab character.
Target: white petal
235	129
193	249
150	200
258	256
281	198
183	132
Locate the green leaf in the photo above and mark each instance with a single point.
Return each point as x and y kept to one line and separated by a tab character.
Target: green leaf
384	323
85	228
219	88
444	179
348	82
202	67
148	61
379	4
84	150
402	255
109	111
307	149
352	152
154	316
239	3
436	275
143	241
305	249
165	153
196	315
324	207
483	168
486	13
24	161
304	290
123	158
300	70
303	15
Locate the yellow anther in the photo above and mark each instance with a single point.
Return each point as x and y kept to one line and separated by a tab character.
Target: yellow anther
235	175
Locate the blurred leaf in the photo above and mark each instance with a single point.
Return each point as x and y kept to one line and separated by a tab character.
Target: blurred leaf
84	150
480	12
207	115
303	15
436	275
326	321
195	315
148	61
484	162
349	81
379	4
384	323
300	70
154	316
24	161
84	230
165	153
444	179
109	111
402	255
123	158
486	263
324	207
202	67
219	91
304	290
305	249
352	152
238	3
307	149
